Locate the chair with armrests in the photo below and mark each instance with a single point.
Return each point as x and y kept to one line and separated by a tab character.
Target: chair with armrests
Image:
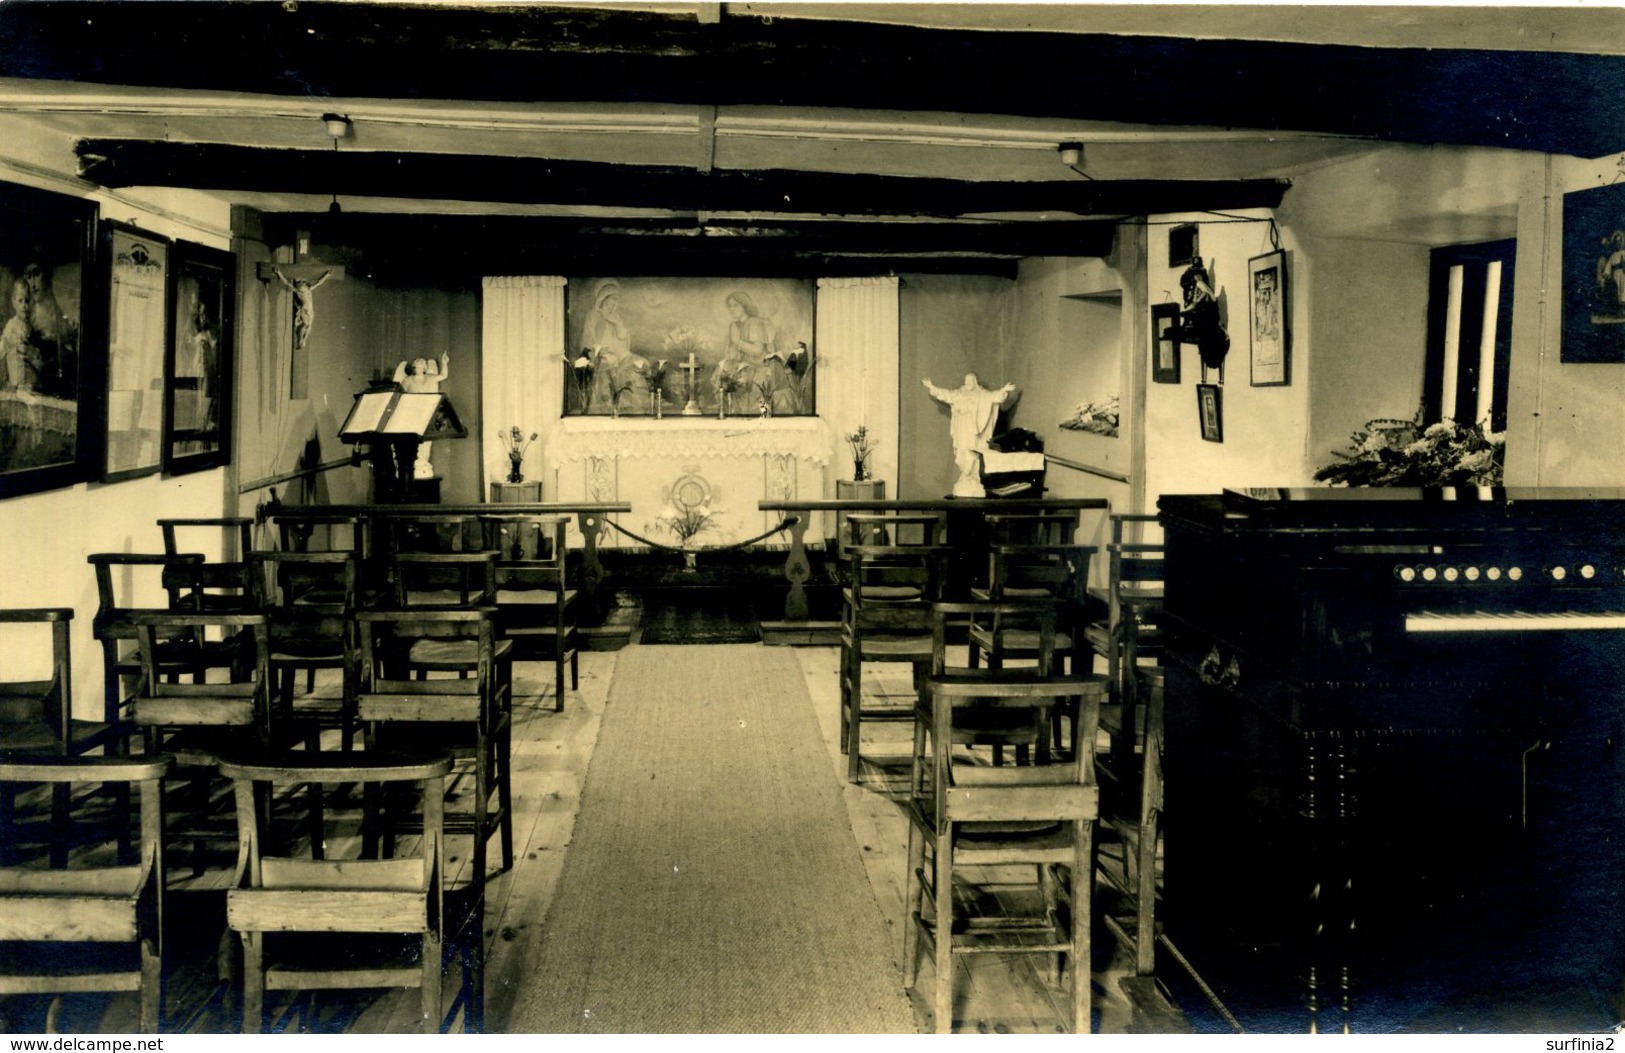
309	597
1031	528
885	619
230	709
471	715
967	817
128	583
36	715
535	604
225	584
62	921
448	581
315	531
341	920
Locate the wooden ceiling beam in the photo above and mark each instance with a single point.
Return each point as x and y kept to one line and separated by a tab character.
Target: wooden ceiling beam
526	180
1549	101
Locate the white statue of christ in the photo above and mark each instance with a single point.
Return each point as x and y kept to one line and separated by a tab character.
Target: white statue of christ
970	424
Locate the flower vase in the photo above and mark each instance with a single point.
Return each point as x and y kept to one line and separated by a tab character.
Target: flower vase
515	475
722	406
688	559
860	471
657	400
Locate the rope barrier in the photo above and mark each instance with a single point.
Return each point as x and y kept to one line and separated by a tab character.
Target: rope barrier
784	524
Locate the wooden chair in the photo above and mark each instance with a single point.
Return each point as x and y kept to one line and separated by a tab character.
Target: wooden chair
225	584
314	923
36	715
470	715
60	913
309	597
885	618
349	534
534	601
448	581
891	528
128	583
1059	572
1034	528
197	722
1132	598
1132	818
971	816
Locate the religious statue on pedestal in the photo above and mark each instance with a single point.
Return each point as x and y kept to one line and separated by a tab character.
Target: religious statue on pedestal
422	375
970	424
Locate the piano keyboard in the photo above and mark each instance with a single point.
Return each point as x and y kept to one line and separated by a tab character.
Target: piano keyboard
1512	621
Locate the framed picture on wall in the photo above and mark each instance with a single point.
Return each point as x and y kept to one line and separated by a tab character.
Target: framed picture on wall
198	364
1165	343
48	436
1270	340
1210	410
137	333
1593	326
750	341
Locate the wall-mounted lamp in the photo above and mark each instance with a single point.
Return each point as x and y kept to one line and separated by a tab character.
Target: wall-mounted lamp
338	125
1071	154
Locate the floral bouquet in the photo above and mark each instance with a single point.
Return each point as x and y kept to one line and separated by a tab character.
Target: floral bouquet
729	377
1098	418
862	447
515	443
581	371
764	391
654	378
1392	452
621	380
799	364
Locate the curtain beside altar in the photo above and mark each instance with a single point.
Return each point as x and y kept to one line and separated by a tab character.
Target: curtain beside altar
522	368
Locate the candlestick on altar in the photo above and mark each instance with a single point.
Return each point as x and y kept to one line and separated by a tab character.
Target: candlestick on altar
692	368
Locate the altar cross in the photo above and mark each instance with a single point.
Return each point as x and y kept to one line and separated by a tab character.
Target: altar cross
692	368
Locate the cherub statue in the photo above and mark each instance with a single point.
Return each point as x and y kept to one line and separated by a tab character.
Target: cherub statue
420	376
304	303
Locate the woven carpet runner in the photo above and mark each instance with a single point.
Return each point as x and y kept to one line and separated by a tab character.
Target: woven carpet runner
713	884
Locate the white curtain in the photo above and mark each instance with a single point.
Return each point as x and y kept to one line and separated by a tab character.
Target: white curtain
522	379
857	348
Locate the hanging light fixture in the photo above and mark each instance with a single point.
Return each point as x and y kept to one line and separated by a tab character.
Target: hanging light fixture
338	126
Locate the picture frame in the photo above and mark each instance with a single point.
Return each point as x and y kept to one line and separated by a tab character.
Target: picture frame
1269	328
1184	244
1593	305
1210	411
136	264
751	340
1165	346
199	360
48	319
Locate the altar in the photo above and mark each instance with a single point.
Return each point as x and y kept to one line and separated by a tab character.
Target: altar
702	474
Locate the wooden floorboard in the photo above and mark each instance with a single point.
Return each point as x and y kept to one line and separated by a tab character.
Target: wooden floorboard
551	754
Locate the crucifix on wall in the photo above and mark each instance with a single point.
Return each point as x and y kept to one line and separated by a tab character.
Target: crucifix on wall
301	281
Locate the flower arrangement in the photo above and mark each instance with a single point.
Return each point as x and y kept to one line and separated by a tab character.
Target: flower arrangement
1394	452
654	378
515	443
764	396
1098	418
581	371
620	382
729	377
862	447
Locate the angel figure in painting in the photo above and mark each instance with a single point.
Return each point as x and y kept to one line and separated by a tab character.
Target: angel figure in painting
304	303
420	376
973	409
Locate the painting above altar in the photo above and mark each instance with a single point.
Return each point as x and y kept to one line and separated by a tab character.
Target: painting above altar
675	347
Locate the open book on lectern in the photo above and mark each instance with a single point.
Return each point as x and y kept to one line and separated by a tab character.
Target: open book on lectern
392	414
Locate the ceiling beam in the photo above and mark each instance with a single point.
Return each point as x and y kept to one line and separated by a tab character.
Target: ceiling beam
1548	101
119	163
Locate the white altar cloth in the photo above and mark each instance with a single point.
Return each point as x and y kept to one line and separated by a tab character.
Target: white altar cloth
729	464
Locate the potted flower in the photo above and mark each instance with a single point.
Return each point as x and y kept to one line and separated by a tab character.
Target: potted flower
515	442
862	446
654	378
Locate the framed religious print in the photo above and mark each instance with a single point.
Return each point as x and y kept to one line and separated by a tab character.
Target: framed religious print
1165	343
657	347
1270	341
47	253
1593	327
137	266
1210	411
198	364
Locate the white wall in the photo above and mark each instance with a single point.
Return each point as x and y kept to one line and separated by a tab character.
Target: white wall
48	534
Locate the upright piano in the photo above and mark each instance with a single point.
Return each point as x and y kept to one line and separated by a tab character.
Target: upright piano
1395	792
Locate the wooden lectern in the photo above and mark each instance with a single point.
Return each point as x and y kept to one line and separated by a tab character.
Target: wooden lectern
390	424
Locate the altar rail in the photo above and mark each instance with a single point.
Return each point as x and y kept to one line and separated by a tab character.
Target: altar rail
797	568
588	519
